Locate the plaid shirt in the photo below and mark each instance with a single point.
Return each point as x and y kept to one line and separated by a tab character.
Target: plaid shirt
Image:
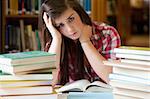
104	38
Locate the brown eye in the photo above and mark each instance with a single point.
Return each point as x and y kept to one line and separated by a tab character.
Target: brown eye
71	19
60	26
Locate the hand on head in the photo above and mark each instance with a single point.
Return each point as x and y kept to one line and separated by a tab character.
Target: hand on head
48	22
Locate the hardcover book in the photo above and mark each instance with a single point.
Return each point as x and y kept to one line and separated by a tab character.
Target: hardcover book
130	85
26	90
133	50
38	71
131	93
26	77
90	95
43	96
19	83
133	56
132	72
26	57
129	79
116	96
18	69
117	63
132	61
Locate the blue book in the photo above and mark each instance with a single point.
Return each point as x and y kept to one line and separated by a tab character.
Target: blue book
90	95
87	6
21	58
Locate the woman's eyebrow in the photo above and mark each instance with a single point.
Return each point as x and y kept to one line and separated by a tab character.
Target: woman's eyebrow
70	16
66	19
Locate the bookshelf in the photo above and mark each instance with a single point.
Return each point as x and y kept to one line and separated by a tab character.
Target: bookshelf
123	19
133	22
98	10
119	13
2	27
20	25
129	17
139	35
0	24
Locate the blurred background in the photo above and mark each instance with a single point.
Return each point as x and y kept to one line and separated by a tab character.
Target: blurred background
19	22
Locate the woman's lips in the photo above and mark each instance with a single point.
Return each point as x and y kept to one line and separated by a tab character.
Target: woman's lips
74	33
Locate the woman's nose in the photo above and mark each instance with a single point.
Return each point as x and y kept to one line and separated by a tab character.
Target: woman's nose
69	28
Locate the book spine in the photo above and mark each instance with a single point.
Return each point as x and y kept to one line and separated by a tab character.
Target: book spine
129	85
87	6
131	72
129	79
133	93
22	35
133	56
27	77
130	51
135	62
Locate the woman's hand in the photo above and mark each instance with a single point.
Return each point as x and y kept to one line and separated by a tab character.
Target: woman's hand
55	74
86	33
55	46
48	22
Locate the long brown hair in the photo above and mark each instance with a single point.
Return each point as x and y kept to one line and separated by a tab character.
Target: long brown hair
54	9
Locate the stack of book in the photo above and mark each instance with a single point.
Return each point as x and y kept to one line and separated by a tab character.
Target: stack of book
22	62
131	73
26	73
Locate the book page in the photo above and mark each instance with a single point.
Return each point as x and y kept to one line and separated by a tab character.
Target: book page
79	85
98	89
98	86
99	83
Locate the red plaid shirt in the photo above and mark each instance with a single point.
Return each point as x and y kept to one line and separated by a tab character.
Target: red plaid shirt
104	38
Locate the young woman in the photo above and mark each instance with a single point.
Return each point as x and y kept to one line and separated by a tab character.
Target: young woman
80	45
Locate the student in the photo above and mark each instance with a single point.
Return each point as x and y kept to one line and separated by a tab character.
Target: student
80	45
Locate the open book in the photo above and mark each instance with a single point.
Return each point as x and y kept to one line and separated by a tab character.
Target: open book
85	86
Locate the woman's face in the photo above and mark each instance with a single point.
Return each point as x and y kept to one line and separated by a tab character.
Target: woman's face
69	24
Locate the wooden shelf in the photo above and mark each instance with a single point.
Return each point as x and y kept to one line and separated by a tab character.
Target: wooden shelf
16	27
28	19
139	40
21	16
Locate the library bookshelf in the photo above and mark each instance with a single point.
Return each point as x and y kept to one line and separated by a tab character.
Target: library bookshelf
118	13
19	25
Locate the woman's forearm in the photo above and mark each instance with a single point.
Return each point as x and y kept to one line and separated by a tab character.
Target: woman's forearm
55	48
96	60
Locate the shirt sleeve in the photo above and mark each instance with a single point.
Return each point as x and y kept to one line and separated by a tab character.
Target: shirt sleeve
110	41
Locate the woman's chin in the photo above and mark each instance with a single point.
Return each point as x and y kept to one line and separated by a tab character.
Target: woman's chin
74	38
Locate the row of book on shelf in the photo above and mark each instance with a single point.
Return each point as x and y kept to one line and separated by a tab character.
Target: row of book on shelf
21	7
1	24
21	38
86	4
130	78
